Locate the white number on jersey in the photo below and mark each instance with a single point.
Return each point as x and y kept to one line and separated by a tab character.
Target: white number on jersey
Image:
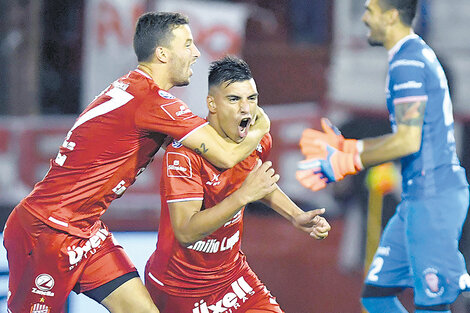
375	268
119	98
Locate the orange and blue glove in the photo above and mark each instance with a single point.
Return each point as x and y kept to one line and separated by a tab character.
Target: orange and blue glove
326	166
330	134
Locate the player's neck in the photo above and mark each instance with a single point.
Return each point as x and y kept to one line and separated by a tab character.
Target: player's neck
215	124
396	34
161	79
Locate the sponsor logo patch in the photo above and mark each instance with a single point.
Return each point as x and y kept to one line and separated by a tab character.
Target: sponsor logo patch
76	254
177	109
214	181
44	283
383	251
230	302
178	165
214	245
408	85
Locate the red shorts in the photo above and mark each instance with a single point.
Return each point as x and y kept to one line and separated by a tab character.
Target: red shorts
246	294
46	264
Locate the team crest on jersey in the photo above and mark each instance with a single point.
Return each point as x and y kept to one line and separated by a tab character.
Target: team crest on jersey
178	165
434	286
176	144
166	95
177	109
40	308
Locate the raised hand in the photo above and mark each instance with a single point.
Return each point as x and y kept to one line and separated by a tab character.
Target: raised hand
330	135
312	223
328	165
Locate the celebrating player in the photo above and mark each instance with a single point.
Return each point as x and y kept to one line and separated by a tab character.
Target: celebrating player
55	239
198	266
419	246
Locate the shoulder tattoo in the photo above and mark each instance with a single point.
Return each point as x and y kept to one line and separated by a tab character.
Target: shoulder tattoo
410	113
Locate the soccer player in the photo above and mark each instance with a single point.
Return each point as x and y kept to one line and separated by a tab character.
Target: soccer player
198	265
419	245
54	238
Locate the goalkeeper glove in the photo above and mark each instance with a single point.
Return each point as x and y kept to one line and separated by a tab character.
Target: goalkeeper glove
311	180
330	165
330	134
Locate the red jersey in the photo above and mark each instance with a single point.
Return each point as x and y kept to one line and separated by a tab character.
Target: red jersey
111	143
215	261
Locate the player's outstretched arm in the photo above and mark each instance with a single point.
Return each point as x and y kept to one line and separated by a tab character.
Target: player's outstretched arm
223	152
310	222
405	141
329	164
190	224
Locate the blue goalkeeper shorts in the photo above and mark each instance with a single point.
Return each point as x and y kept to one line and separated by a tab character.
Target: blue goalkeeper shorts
419	248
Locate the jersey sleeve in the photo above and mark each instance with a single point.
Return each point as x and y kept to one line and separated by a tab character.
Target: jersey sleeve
265	144
181	176
164	113
408	80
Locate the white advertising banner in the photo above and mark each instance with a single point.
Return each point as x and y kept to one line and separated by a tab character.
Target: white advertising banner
107	45
218	28
357	71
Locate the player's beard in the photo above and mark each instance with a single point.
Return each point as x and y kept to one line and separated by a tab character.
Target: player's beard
374	43
180	71
374	37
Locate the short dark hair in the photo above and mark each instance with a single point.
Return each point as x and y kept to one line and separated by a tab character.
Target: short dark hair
154	29
228	69
406	9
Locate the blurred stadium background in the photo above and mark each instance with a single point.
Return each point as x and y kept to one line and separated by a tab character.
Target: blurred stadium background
309	58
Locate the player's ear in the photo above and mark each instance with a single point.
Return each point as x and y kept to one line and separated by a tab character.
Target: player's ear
393	16
161	54
211	104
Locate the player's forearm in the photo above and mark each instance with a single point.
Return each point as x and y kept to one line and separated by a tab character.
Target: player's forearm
282	204
205	222
223	152
390	147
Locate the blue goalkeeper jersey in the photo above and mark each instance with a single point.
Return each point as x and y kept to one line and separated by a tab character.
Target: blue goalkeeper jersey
415	74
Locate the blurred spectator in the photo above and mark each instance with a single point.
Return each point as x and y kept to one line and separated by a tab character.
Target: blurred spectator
60	69
310	21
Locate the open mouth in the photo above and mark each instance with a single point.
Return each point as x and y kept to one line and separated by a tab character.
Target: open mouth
244	126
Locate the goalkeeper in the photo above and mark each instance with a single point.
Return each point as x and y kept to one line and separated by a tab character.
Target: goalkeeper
419	245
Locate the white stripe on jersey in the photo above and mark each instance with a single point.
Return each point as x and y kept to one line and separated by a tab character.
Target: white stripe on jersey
185	199
410	99
155	279
54	220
